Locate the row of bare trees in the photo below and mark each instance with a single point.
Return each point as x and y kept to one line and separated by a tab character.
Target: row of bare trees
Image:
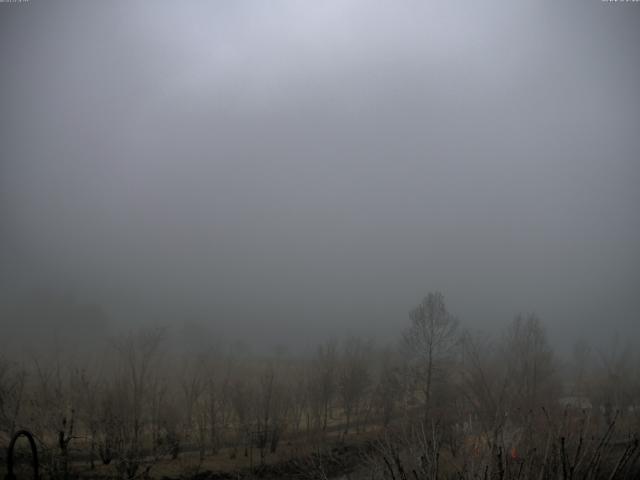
139	402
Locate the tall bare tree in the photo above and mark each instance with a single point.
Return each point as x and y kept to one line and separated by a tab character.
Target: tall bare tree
430	342
531	362
138	354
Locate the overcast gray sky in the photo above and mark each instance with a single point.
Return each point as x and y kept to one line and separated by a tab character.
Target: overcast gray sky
289	170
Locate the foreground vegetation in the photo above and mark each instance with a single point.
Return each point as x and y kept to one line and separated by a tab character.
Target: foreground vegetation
445	403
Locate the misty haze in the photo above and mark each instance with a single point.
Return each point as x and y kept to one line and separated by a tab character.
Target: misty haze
339	239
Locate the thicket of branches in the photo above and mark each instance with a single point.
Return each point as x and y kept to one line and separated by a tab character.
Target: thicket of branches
443	403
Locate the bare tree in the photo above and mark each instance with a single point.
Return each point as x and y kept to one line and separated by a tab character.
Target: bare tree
137	354
53	413
85	386
193	384
323	385
430	341
388	390
12	383
615	383
484	385
581	356
531	363
354	378
241	396
218	401
299	396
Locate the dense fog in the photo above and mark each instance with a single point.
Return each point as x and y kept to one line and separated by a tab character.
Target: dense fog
338	239
282	172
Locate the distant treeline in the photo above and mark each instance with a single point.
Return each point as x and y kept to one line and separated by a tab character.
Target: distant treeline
442	403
